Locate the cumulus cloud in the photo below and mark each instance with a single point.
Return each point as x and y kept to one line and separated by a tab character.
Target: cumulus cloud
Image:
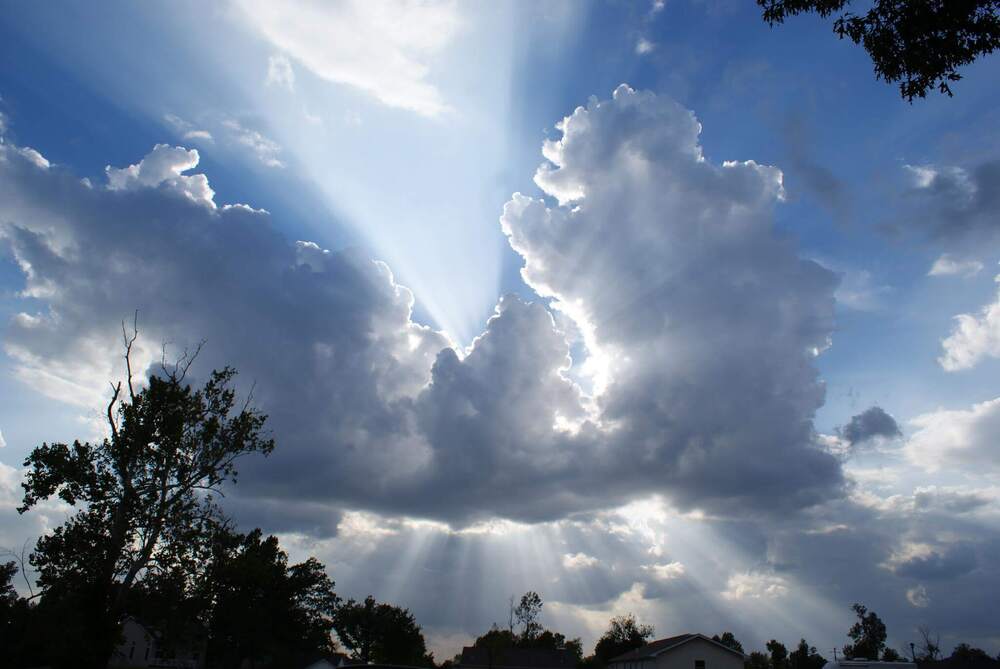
699	328
164	166
755	585
280	72
973	337
383	49
958	437
644	46
869	424
688	303
948	265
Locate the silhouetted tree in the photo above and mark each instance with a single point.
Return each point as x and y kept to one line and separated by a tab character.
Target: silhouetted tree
757	660
381	633
728	639
868	634
527	613
805	657
623	634
919	43
891	655
965	653
144	496
779	654
930	644
263	611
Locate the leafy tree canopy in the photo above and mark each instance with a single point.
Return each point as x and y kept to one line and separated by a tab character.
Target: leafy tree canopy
868	634
144	495
381	633
623	634
728	639
918	43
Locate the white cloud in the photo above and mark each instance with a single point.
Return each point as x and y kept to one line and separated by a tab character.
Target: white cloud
973	337
644	46
579	561
187	130
164	166
957	438
3	442
918	597
755	585
667	571
263	147
947	265
383	48
280	72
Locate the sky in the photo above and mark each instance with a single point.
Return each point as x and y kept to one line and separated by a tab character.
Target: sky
645	306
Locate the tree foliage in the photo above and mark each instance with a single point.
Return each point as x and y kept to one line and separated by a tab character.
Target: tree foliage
263	610
805	657
868	635
728	639
918	43
527	613
623	634
381	633
144	495
778	653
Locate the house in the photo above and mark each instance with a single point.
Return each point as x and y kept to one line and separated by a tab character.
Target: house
329	661
141	647
516	658
869	664
685	651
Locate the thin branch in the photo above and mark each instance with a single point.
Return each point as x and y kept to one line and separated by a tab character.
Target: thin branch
128	341
117	389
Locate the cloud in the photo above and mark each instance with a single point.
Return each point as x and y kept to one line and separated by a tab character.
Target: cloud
263	147
668	571
579	561
280	72
752	585
383	49
947	265
689	305
699	328
918	597
956	438
973	337
164	166
187	130
927	563
955	206
644	46
869	424
3	442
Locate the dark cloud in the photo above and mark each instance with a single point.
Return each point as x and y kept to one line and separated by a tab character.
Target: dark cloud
934	565
955	207
870	423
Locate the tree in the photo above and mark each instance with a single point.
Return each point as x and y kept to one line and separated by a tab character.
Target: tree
263	610
965	653
757	660
527	613
145	495
728	639
891	655
805	657
918	43
868	634
381	633
930	644
623	634
779	654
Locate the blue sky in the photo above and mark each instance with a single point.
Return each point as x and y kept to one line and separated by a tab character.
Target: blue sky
400	133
